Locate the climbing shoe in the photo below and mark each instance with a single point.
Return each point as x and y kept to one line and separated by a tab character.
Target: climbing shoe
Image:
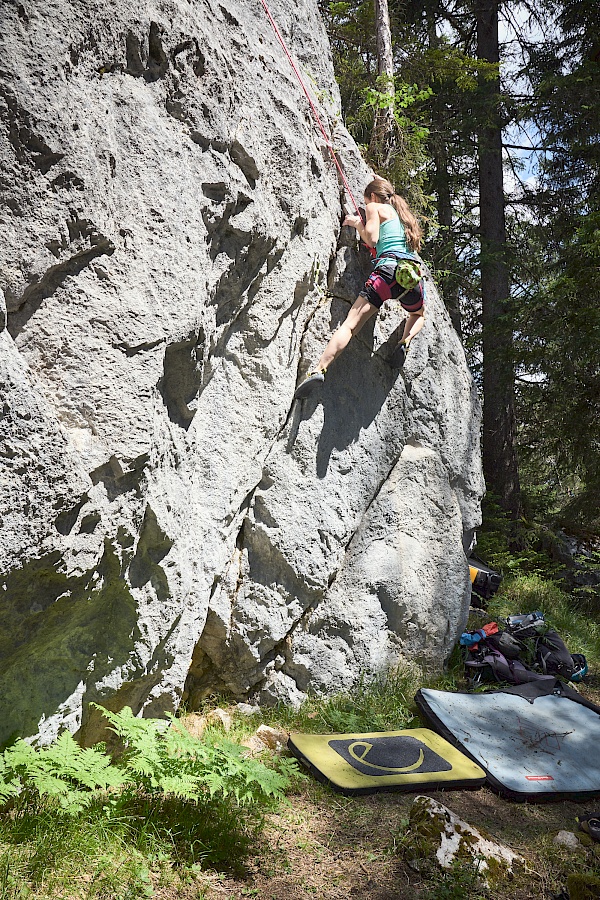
306	388
398	356
591	825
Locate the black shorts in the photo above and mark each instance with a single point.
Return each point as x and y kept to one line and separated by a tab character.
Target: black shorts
381	285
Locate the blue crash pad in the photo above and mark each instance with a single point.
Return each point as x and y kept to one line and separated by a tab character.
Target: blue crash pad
543	745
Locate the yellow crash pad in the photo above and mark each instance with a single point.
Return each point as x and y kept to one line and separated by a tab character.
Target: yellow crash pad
408	760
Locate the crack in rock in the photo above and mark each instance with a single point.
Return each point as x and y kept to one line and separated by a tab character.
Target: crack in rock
81	231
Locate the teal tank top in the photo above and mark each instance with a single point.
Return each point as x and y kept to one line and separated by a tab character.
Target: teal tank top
392	236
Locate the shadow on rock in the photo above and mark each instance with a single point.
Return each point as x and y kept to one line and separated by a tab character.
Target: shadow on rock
62	636
355	389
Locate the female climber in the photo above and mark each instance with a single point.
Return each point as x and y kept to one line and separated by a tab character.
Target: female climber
394	232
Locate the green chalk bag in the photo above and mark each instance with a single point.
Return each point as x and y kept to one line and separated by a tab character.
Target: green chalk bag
408	274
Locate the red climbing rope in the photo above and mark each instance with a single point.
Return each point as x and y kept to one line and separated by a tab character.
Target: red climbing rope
312	105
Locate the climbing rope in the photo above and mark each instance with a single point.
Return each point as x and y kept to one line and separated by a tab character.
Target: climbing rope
311	103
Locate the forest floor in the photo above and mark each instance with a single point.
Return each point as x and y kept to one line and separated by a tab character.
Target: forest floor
324	845
314	843
336	848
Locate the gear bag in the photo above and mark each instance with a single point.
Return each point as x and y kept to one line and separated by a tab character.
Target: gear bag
526	650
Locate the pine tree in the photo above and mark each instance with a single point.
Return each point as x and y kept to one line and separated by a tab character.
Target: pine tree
559	326
499	424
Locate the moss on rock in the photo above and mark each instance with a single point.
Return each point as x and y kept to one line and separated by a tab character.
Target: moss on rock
583	887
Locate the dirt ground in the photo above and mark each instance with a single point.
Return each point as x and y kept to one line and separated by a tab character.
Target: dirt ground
331	847
327	846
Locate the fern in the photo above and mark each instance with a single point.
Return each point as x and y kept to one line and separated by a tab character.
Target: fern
90	768
63	770
168	759
160	759
10	785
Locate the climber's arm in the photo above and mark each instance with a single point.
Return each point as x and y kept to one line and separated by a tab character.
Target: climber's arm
371	229
369	233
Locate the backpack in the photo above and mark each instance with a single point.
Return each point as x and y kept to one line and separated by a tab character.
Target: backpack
526	650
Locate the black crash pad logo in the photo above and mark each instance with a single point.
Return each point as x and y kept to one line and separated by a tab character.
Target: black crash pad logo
398	755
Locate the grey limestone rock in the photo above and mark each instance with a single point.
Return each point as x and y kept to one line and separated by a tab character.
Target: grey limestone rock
438	835
172	261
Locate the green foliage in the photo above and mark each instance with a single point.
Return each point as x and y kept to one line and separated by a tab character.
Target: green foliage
401	98
548	97
63	771
560	399
527	593
460	882
12	882
45	853
158	759
558	318
372	706
586	590
169	802
542	551
583	886
171	761
377	703
498	539
449	67
351	28
213	834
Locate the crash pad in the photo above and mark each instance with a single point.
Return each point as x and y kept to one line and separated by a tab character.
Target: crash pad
409	760
535	741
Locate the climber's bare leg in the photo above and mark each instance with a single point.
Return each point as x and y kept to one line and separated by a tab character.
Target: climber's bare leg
413	325
360	312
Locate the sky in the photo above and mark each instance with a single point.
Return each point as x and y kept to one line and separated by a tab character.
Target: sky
516	23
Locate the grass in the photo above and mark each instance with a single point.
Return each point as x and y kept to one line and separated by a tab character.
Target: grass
460	882
171	805
132	846
123	854
380	703
47	855
526	593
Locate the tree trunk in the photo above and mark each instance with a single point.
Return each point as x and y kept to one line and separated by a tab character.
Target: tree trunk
447	253
382	138
444	244
499	450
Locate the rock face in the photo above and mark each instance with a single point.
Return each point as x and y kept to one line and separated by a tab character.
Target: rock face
171	262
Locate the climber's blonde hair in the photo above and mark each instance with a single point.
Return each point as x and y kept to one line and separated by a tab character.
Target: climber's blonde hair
384	191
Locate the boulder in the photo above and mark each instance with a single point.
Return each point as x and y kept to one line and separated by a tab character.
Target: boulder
172	261
437	834
267	738
567	839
